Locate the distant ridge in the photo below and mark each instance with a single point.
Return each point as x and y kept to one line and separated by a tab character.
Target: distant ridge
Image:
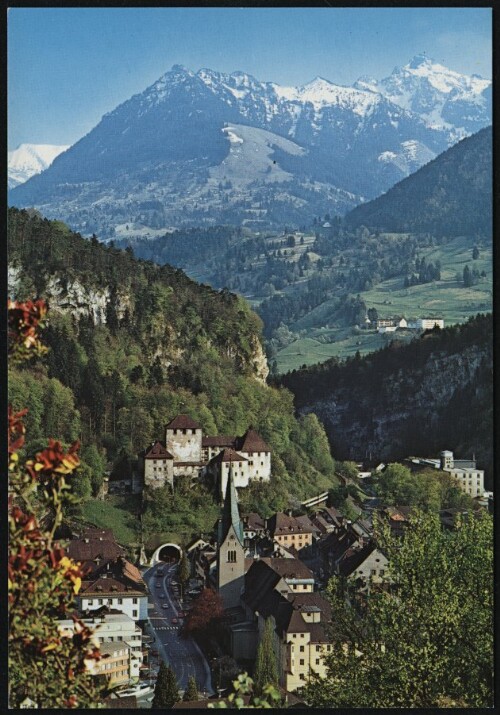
451	195
204	148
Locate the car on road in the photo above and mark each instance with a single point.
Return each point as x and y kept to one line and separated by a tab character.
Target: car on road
175	620
181	614
165	605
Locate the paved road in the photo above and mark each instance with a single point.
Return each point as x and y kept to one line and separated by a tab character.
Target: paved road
183	654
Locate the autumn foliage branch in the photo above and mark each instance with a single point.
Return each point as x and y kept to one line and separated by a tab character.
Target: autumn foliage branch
51	666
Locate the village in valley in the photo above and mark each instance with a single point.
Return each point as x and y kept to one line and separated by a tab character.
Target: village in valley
250	358
262	569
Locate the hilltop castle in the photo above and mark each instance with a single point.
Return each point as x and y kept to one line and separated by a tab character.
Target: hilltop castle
185	452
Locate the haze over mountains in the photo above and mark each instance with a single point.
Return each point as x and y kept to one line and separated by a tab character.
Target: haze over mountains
207	147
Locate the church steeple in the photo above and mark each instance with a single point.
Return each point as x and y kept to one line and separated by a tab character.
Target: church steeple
230	512
230	551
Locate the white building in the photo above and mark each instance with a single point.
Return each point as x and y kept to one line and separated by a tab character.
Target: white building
119	586
468	477
429	323
114	628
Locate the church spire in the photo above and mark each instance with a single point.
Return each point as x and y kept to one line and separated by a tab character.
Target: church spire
230	512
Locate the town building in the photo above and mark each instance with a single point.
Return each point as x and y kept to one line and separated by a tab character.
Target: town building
468	477
118	585
110	580
300	622
288	531
119	637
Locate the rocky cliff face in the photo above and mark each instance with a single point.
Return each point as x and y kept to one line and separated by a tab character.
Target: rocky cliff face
416	400
162	340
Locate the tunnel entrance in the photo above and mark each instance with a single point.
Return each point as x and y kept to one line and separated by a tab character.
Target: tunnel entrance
168	553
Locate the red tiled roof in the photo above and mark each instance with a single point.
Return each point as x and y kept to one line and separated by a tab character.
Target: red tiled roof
253	521
158	451
281	523
108	587
94	548
183	422
220	440
132	572
251	442
229	455
289	568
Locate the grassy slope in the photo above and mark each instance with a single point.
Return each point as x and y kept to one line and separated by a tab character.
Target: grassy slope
119	513
447	299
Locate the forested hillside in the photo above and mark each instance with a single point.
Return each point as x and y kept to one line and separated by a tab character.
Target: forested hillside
421	398
451	195
132	345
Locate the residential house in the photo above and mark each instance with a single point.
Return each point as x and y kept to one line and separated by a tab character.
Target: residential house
118	584
286	531
113	629
300	622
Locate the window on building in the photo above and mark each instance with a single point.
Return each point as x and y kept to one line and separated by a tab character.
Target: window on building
120	600
90	602
382	572
301	661
231	557
134	614
373	572
302	648
99	601
317	661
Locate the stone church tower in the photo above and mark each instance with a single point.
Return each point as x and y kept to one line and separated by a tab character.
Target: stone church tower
230	552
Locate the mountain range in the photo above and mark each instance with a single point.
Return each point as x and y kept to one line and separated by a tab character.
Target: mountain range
30	159
208	147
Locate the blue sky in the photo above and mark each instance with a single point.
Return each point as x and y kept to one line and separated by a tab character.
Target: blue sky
69	66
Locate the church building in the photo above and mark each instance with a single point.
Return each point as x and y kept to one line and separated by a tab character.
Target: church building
230	551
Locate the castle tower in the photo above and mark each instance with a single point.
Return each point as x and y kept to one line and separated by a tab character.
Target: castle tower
446	459
230	552
183	437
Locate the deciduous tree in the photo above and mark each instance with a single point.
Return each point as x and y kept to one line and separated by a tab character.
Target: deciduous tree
428	640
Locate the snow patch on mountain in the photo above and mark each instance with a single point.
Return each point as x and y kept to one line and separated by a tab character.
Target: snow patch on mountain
30	159
250	157
412	156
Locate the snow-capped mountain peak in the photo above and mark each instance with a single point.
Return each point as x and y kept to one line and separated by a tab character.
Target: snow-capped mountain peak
30	159
443	97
